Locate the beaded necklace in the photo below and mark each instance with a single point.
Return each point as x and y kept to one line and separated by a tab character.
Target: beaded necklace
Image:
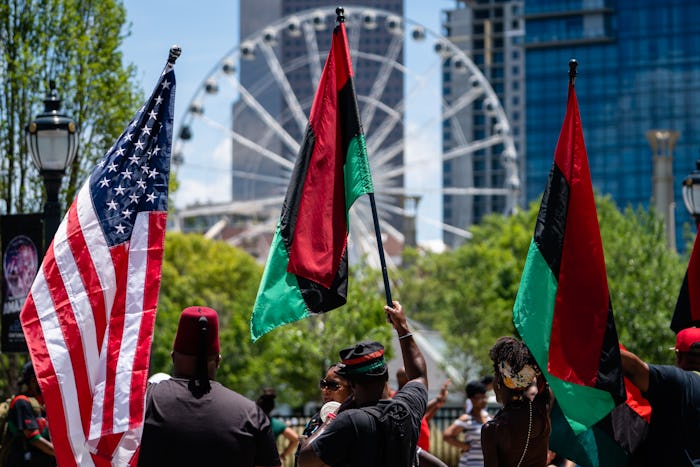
529	431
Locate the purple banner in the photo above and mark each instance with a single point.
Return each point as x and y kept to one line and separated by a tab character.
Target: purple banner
21	250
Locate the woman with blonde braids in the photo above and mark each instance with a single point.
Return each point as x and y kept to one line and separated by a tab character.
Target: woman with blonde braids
518	435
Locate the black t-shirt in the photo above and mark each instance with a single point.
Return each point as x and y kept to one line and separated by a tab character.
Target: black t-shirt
220	428
674	429
351	439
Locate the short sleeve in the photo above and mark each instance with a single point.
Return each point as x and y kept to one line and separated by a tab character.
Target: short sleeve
340	436
415	395
663	381
23	416
278	426
463	424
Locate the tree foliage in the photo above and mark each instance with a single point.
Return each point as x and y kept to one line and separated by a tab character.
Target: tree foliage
197	271
468	294
76	43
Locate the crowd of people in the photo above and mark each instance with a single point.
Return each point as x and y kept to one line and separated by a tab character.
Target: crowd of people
191	419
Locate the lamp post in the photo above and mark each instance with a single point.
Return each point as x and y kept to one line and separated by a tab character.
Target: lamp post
52	140
691	193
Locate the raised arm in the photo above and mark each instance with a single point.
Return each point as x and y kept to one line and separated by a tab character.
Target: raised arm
635	369
435	404
413	360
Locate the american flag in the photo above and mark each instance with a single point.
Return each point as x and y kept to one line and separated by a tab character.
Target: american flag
89	317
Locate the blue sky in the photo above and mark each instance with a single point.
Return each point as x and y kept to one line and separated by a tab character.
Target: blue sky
207	30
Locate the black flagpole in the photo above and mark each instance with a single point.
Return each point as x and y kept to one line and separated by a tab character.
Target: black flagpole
380	247
387	288
572	71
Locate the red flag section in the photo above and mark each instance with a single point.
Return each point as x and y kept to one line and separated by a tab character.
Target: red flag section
582	303
307	268
320	231
687	312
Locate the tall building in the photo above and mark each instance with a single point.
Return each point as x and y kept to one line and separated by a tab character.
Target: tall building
639	70
490	33
292	51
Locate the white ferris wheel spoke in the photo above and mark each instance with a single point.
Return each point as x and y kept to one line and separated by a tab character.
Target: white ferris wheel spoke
252	145
265	116
378	136
379	83
354	35
289	96
466	99
312	53
471	147
422	115
364	222
282	182
384	156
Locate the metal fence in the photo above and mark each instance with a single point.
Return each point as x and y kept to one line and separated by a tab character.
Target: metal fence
442	419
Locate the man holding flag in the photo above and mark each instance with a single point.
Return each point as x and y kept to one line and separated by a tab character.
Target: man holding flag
674	395
89	317
357	436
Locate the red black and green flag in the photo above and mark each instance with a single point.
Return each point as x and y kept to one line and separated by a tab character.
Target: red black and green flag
563	310
687	312
614	441
307	268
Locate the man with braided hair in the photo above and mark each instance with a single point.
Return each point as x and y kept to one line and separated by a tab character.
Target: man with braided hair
518	435
193	420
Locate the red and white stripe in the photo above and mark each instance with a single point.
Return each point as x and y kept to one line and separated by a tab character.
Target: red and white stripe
89	322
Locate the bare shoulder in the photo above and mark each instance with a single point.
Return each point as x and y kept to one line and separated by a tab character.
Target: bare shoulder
490	429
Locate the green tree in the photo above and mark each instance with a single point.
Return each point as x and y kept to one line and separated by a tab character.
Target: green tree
198	271
644	278
76	43
468	294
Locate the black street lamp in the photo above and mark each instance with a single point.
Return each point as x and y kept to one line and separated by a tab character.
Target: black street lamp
691	192
52	140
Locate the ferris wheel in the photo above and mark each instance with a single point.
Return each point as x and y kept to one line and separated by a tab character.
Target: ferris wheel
248	117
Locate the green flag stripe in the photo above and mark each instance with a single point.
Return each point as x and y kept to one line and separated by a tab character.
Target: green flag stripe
279	299
591	448
358	179
532	315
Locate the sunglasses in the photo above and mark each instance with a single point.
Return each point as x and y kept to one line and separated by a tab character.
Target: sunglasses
329	385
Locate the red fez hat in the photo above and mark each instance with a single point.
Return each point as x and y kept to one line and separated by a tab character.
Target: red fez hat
192	321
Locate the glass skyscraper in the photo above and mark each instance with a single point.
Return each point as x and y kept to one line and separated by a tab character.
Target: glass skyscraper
639	70
490	33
